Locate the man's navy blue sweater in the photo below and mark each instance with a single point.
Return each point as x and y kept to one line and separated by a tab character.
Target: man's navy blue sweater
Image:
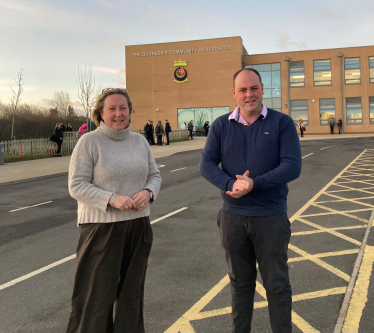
269	149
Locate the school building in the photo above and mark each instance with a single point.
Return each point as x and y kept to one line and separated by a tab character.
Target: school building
192	80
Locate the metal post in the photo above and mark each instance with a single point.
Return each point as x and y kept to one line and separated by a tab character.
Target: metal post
287	59
340	55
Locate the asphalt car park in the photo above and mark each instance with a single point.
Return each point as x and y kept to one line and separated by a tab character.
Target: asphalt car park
187	289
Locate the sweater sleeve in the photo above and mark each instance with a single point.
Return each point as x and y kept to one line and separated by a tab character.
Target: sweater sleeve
153	179
290	159
81	169
211	158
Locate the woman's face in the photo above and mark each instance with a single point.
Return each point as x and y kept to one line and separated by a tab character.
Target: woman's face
116	113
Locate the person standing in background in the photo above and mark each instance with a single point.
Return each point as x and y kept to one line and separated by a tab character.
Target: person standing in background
167	131
206	128
190	129
340	124
332	124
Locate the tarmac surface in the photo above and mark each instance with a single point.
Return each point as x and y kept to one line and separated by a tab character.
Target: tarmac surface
18	172
330	206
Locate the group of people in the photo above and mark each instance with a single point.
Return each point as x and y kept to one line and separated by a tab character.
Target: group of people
190	126
114	178
159	130
58	134
339	123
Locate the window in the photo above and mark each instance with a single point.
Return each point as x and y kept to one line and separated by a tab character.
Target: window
352	70
371	69
326	110
297	76
354	110
322	72
299	110
200	115
371	109
271	78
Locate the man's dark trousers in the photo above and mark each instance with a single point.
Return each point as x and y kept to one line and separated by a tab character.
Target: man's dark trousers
265	239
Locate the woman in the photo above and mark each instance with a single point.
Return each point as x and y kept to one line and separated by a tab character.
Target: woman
113	176
159	132
59	135
301	127
190	129
82	130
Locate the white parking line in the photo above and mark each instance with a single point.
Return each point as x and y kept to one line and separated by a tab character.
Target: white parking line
178	169
57	263
161	166
307	155
43	203
329	147
170	214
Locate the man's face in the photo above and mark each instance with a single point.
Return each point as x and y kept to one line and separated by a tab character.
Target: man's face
248	92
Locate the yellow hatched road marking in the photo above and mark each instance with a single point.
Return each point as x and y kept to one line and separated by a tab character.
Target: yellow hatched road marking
330	231
359	296
345	213
324	255
183	324
311	232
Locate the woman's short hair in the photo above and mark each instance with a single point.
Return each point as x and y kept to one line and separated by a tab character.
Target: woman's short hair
99	105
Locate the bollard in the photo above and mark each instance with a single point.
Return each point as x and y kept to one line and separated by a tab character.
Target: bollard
1	153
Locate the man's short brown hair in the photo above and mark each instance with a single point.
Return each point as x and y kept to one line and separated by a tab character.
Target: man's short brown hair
242	70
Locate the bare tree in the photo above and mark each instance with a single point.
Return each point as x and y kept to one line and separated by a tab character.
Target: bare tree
61	101
87	93
16	98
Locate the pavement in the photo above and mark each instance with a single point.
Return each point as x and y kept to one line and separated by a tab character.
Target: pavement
22	171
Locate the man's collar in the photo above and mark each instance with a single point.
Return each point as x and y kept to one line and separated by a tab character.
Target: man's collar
235	115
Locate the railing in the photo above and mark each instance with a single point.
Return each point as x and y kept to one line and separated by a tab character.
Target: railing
175	135
19	150
30	149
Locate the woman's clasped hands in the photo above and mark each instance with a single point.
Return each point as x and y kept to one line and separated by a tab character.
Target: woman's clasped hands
138	202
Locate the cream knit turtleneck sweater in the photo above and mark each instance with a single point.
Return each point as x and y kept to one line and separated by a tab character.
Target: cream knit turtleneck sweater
107	161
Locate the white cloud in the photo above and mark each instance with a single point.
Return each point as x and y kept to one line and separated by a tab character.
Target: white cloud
105	69
105	3
18	7
118	43
285	43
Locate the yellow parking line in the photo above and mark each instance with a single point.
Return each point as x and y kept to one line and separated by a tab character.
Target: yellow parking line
334	211
323	255
360	291
330	231
311	232
195	312
319	262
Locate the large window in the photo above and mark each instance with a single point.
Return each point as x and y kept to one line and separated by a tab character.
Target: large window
299	110
200	115
297	74
322	72
354	110
326	110
352	70
271	78
371	69
371	109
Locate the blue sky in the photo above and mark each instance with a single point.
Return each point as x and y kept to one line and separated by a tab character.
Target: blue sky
49	39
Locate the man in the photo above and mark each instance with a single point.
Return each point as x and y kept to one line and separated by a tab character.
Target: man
259	152
148	132
340	124
167	130
332	124
69	128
